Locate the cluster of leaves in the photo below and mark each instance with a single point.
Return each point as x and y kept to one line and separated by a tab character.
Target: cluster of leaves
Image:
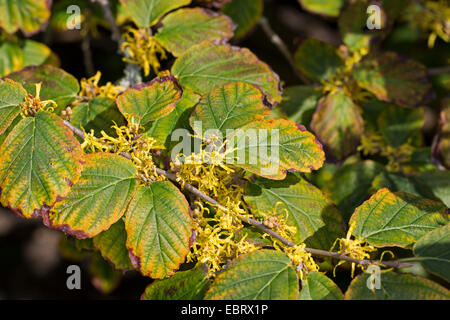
93	161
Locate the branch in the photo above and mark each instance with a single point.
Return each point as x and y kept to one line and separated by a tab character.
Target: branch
438	70
257	224
107	13
278	42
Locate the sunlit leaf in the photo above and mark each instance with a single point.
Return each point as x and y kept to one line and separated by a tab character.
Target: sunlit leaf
318	286
12	95
158	229
57	84
152	100
259	275
187	27
26	15
244	13
308	210
394	78
184	285
39	161
433	251
231	106
317	60
146	13
396	219
270	148
98	199
299	103
112	246
396	287
205	66
338	124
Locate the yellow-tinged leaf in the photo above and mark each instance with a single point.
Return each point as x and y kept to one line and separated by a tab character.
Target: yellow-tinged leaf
152	100
98	199
39	161
159	229
12	95
396	219
26	15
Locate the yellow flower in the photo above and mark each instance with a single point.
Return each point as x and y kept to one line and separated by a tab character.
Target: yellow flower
33	104
91	89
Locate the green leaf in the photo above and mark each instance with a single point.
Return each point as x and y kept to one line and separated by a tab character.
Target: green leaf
396	287
57	84
338	123
161	129
99	198
206	66
259	275
396	219
12	95
398	125
393	78
112	246
317	60
271	148
433	251
97	114
299	103
358	178
11	58
151	100
39	161
146	13
184	285
159	229
353	25
244	13
35	53
230	106
436	182
309	211
324	7
318	286
103	277
187	27
26	15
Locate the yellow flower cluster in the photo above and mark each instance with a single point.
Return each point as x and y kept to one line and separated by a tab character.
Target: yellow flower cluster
33	104
435	18
129	140
143	49
353	248
91	89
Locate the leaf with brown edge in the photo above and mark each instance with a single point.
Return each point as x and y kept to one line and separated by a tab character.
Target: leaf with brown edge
187	27
112	246
230	106
338	123
12	95
146	13
258	275
158	228
151	100
394	78
57	84
26	15
396	219
205	66
39	161
270	148
396	286
99	198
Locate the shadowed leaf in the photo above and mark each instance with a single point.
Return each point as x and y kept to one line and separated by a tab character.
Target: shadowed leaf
244	13
396	287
